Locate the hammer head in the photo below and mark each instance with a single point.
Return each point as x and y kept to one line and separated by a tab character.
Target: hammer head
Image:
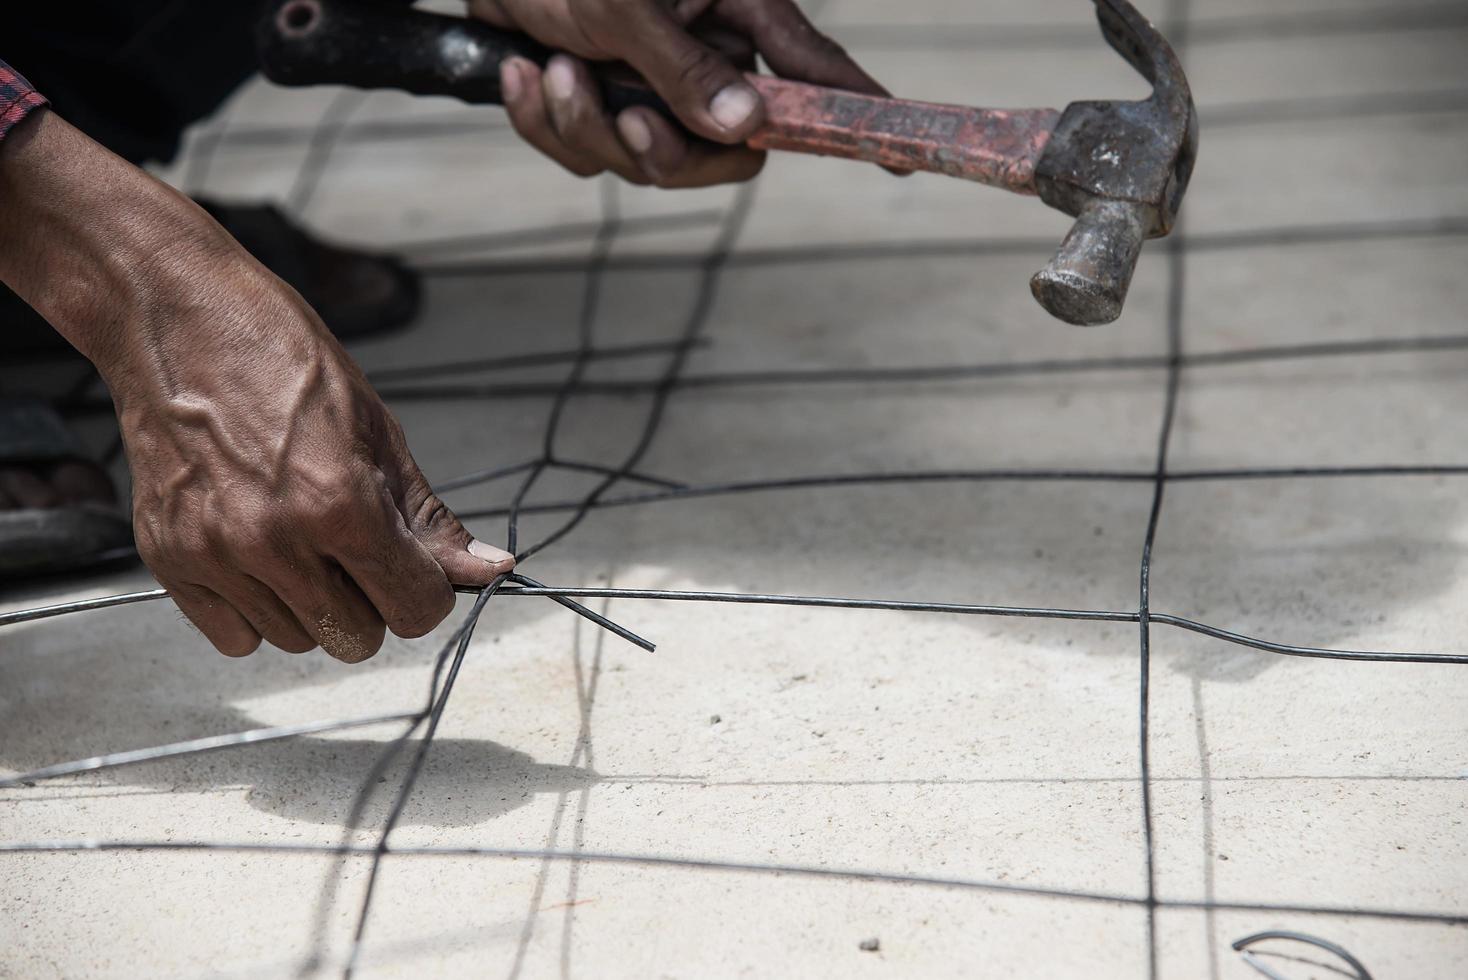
1120	168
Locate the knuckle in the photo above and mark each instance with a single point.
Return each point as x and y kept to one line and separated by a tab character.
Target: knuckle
248	545
194	556
237	646
582	168
331	515
424	617
636	177
826	46
168	550
432	513
277	627
151	551
294	642
349	643
337	511
265	620
359	650
698	69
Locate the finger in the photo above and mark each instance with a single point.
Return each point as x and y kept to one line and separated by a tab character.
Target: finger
705	91
734	45
463	559
522	83
266	614
579	120
332	608
399	577
674	161
793	48
221	624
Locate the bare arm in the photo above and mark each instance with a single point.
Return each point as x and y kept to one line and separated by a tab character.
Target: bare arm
274	494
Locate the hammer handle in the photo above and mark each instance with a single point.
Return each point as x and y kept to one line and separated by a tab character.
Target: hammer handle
385	45
377	44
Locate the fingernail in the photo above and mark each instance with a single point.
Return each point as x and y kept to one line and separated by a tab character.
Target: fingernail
634	132
560	79
489	553
510	83
733	105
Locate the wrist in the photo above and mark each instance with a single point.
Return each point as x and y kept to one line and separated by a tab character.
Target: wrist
96	245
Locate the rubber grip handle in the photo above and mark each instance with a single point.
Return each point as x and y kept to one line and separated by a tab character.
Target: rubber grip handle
376	44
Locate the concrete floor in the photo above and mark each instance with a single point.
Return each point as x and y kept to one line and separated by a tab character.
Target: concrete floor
975	748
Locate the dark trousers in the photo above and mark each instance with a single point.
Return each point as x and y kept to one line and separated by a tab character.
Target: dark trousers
132	75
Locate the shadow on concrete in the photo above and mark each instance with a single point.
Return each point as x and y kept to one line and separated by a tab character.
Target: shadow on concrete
1320	562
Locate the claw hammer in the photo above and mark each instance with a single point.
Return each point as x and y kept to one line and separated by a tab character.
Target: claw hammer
1119	168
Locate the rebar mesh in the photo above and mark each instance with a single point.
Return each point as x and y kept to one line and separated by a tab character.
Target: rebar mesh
608	491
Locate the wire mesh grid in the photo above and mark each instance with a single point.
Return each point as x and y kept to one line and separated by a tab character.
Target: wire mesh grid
610	488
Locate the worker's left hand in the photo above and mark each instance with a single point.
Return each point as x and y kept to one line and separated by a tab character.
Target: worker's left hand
274	495
692	52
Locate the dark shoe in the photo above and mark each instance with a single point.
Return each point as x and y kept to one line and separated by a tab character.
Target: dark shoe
356	293
58	511
25	334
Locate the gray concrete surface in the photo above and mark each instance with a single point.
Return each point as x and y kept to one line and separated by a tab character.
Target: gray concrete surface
995	750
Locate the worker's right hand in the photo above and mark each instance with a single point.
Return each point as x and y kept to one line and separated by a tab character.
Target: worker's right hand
692	52
274	494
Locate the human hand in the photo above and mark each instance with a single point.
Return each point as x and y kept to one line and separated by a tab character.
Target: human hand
274	494
690	51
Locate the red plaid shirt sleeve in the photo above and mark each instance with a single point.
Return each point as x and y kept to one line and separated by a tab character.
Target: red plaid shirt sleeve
17	98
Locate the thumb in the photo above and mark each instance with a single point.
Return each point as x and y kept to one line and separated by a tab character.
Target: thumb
703	88
464	559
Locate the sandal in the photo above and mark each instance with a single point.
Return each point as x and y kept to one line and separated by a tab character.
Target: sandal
59	511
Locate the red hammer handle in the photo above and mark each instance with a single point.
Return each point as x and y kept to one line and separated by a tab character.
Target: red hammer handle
998	147
376	45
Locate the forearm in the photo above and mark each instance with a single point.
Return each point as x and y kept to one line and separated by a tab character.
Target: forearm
92	242
273	493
